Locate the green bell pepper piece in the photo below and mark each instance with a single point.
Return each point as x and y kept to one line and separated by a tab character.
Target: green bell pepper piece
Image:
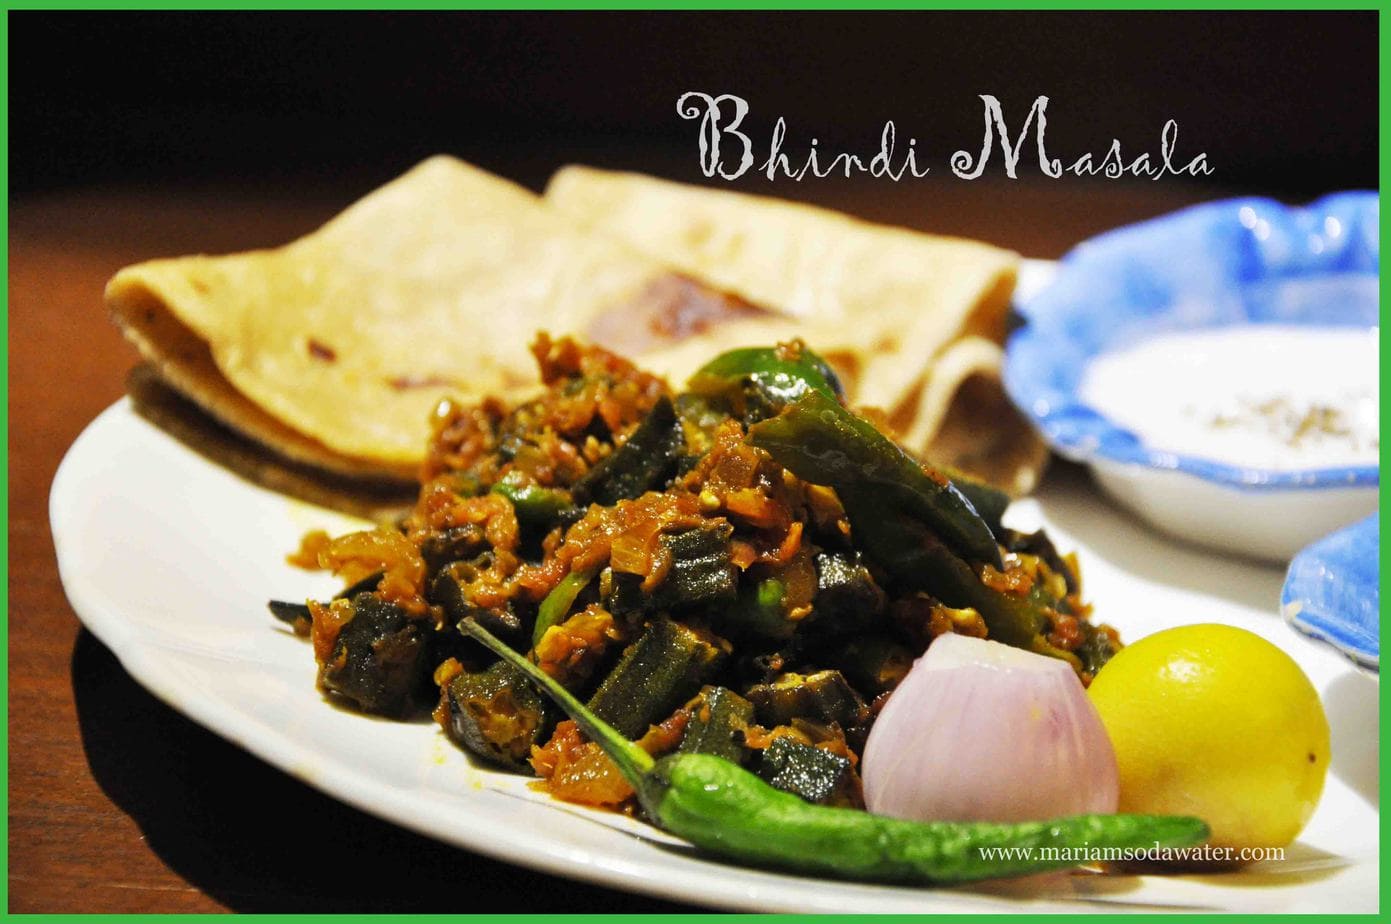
820	441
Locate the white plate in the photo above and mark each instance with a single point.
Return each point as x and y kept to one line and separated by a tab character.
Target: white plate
169	560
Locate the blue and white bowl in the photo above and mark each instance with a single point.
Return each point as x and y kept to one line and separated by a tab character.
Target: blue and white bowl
1332	591
1234	262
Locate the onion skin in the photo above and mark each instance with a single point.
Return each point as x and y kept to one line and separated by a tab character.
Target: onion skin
980	731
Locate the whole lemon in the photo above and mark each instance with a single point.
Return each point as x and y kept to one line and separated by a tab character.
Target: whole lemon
1214	721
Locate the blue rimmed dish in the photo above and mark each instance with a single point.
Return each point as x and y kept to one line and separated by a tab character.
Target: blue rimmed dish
1224	264
1332	591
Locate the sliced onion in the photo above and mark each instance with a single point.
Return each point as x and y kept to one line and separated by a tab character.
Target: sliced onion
980	731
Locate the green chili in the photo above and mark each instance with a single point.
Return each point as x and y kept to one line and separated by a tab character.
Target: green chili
722	808
990	502
557	603
820	441
758	382
534	504
916	557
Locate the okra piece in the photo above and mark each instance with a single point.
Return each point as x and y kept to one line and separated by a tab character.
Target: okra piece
456	543
701	570
642	463
759	611
447	590
368	583
497	714
820	441
718	717
847	597
700	573
288	613
656	674
806	771
622	595
380	659
825	696
292	613
1098	647
875	663
1038	543
721	807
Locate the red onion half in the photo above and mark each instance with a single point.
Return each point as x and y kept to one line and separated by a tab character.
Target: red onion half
981	731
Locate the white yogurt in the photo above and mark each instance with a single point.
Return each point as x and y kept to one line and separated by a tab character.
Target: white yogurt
1259	395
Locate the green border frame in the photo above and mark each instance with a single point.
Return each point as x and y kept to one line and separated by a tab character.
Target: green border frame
698	5
1383	135
5	415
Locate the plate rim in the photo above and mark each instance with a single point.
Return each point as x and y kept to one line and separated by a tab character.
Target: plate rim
139	656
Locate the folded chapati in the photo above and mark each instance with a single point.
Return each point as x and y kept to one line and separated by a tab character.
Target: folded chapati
908	318
334	349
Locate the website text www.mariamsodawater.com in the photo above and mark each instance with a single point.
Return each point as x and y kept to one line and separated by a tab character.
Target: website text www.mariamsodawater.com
1157	854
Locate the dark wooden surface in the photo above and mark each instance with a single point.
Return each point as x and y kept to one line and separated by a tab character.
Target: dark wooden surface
118	803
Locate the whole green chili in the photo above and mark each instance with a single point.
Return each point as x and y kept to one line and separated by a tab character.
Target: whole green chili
720	807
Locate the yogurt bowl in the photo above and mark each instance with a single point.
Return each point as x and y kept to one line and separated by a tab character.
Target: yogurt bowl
1217	369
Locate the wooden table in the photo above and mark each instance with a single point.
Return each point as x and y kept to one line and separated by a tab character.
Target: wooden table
118	803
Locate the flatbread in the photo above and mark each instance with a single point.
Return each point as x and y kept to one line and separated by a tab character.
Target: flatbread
907	318
153	399
334	349
966	420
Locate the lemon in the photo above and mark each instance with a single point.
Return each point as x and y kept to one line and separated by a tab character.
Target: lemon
1214	721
